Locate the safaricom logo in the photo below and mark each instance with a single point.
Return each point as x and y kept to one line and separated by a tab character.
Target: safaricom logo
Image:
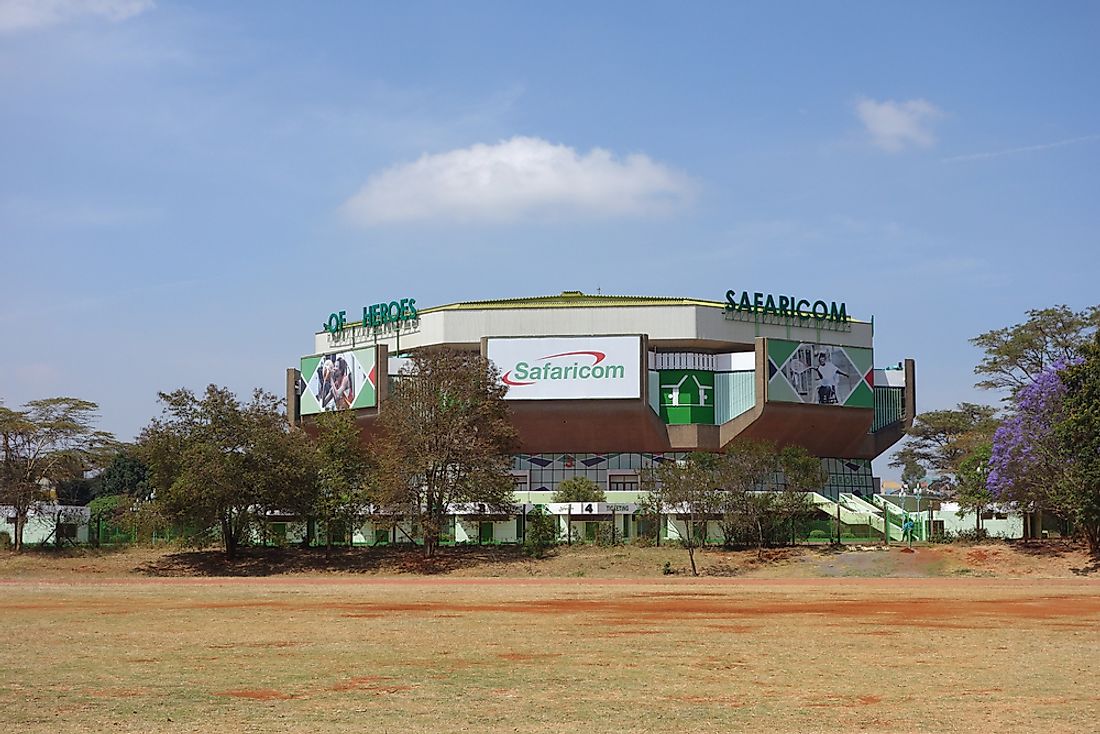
526	374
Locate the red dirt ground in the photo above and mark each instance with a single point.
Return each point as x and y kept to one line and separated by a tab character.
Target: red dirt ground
729	654
635	609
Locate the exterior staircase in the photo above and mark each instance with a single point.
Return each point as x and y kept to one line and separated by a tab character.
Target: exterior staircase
856	511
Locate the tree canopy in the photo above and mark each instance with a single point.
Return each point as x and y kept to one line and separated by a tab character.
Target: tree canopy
579	489
1077	438
342	464
754	491
972	487
52	440
940	439
445	439
1016	355
763	491
217	462
1043	455
688	489
126	474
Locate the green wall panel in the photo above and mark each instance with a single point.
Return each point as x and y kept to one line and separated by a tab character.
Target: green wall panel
687	396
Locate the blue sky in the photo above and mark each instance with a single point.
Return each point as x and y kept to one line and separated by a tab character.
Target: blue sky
188	189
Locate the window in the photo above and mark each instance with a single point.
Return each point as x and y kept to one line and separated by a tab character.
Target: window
622	482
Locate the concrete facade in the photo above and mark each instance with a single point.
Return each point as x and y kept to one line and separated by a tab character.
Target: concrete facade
613	440
735	343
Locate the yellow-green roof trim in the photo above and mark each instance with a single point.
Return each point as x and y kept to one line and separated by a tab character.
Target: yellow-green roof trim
572	299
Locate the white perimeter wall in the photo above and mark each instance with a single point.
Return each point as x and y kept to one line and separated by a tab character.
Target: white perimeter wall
955	522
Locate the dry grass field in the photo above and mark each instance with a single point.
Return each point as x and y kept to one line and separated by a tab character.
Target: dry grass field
995	559
98	651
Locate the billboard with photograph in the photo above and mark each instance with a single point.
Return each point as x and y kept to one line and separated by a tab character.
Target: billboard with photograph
569	368
338	381
821	374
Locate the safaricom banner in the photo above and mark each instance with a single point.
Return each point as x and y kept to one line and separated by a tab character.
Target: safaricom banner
569	368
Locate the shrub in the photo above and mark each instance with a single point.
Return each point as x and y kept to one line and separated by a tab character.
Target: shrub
972	535
818	535
540	534
975	535
946	536
606	536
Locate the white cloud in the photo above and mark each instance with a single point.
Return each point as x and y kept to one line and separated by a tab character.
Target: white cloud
18	15
894	126
517	178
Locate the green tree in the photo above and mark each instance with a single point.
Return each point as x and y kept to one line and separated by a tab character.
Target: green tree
126	474
741	472
973	493
49	441
579	489
1077	438
1016	354
803	474
112	510
445	439
912	473
753	509
342	472
218	464
940	439
122	499
540	532
688	488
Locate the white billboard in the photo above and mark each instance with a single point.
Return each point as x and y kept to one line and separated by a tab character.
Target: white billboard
569	368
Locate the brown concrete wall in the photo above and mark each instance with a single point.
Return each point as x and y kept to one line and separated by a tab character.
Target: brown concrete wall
555	427
823	430
605	426
588	426
694	437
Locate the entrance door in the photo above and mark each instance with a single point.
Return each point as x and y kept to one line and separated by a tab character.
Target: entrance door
485	532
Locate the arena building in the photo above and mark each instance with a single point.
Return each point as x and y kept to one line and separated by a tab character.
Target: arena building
606	386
